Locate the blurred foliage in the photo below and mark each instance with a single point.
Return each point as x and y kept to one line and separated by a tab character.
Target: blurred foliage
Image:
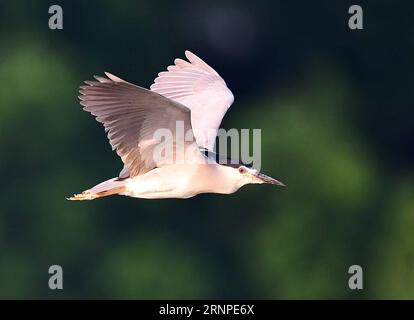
335	109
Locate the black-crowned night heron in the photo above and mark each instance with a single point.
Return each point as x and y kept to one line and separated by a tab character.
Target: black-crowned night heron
191	93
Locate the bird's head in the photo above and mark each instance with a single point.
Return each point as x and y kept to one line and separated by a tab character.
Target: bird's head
239	173
246	175
250	175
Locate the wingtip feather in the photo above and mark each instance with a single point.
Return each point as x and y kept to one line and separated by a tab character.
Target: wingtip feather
113	78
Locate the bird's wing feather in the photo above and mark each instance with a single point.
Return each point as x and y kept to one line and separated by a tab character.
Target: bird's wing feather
200	88
131	115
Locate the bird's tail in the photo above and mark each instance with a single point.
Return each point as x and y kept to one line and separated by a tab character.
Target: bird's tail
106	188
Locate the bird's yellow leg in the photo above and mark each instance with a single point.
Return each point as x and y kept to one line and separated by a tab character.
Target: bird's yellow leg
89	195
85	195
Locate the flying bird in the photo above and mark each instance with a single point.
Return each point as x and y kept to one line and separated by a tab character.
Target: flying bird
190	93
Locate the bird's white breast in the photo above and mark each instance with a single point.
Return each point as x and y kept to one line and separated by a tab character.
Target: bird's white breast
180	181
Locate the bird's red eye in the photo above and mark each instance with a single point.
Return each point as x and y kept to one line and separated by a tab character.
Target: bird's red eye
242	170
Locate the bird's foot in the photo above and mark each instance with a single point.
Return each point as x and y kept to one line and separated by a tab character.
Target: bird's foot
86	195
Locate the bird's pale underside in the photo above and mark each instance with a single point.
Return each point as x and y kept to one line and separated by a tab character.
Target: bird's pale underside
190	93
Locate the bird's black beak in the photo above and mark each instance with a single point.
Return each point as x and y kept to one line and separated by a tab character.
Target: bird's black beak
266	179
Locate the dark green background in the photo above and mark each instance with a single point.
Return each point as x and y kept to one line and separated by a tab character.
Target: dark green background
336	111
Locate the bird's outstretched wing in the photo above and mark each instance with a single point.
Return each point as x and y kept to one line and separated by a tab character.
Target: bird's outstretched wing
200	88
131	115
